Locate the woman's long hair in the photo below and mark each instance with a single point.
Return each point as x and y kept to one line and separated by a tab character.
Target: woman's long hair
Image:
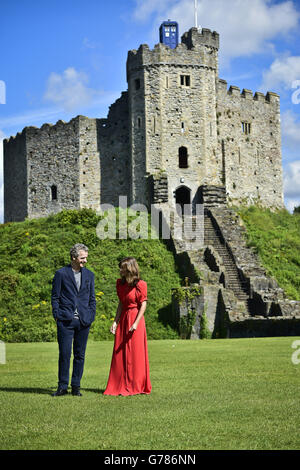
132	272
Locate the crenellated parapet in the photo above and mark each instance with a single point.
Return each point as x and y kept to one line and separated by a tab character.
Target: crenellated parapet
194	38
45	129
197	49
245	94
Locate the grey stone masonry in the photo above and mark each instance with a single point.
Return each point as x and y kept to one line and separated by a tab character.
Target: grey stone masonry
250	143
47	164
15	178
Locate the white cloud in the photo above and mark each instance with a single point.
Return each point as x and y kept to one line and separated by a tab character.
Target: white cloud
290	129
88	44
34	117
69	90
37	117
245	27
282	74
145	8
290	204
291	181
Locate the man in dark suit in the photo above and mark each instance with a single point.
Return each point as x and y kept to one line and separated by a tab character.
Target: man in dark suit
74	308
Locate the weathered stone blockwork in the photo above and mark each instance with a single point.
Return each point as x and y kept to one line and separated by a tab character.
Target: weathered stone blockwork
48	158
250	144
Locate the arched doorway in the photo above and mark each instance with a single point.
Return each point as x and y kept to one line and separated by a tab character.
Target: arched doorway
183	197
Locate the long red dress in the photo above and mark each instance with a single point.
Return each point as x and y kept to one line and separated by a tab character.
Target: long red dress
129	370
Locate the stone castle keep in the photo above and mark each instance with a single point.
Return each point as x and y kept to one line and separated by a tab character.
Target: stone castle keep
177	131
178	135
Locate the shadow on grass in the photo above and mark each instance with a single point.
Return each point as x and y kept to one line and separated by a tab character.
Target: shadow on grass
43	391
94	390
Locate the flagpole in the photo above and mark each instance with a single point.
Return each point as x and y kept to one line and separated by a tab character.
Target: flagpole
196	14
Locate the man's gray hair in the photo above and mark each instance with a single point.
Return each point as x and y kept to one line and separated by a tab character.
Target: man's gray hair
74	252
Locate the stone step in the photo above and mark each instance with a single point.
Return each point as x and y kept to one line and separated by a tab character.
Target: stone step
212	236
237	288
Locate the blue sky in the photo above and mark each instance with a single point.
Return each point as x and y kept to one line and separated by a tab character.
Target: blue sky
68	57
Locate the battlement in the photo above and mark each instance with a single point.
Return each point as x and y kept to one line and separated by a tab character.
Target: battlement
194	38
14	138
189	51
32	131
159	54
235	92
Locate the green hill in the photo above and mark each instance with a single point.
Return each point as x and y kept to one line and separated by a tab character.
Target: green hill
32	250
276	238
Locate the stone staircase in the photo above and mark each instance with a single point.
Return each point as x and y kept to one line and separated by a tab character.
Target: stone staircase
233	279
188	233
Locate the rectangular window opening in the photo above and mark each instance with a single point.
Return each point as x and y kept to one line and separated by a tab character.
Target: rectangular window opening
137	83
246	128
185	80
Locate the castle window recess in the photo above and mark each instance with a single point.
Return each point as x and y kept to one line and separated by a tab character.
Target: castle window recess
53	193
183	157
246	128
137	83
185	80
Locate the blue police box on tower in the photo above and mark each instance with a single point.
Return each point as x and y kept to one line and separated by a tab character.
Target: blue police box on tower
168	33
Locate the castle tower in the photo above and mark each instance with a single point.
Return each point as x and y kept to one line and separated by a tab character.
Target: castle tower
172	109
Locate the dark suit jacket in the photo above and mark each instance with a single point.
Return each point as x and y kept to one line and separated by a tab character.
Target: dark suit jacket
65	296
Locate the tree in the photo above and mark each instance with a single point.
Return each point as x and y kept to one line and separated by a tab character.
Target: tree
296	210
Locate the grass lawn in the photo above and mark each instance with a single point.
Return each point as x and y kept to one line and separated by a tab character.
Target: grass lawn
209	394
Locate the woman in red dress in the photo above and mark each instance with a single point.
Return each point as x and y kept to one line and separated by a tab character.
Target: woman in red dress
129	370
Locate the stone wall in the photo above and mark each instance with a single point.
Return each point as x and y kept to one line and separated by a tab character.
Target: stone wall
89	163
249	139
113	145
15	178
53	162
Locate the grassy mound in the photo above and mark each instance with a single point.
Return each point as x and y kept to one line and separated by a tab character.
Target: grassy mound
31	251
276	238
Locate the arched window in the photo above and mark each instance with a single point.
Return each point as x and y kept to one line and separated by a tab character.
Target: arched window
183	157
53	193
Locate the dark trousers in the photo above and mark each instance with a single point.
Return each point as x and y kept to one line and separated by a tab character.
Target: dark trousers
68	333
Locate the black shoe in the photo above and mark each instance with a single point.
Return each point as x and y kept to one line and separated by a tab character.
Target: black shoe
76	392
60	392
